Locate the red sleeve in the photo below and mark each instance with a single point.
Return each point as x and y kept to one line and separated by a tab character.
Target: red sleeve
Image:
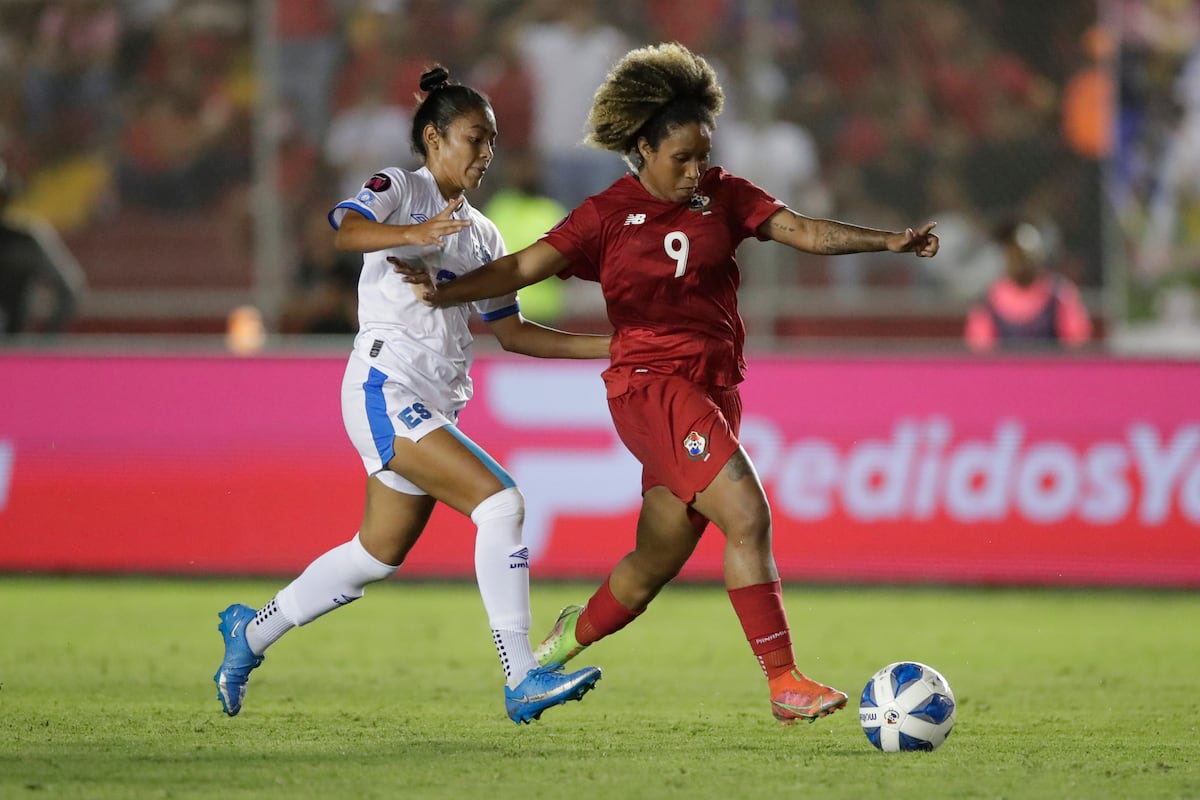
577	237
750	205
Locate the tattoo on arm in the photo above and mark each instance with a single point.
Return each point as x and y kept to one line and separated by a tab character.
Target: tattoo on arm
838	238
780	223
826	236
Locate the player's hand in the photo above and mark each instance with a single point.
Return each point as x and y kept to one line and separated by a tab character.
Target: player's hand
921	241
417	274
435	230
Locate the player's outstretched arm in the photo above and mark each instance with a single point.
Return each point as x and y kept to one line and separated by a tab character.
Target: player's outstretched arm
506	274
830	237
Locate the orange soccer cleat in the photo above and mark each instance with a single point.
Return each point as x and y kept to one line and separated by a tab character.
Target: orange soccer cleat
793	697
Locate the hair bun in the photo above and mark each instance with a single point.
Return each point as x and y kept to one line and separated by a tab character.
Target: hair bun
435	78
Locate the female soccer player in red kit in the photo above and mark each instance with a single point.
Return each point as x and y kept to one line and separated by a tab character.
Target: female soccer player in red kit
661	244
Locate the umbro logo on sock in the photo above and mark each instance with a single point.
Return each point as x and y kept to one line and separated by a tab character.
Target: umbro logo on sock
521	559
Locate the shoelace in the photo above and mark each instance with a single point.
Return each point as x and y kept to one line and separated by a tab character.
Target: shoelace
549	669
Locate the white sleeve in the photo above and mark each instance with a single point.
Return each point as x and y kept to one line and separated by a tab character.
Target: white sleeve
382	195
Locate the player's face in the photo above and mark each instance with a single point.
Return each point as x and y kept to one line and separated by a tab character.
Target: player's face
672	171
459	159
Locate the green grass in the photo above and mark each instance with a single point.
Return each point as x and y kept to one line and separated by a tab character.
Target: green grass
106	692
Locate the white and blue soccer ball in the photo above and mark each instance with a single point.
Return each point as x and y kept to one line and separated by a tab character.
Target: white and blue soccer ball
907	706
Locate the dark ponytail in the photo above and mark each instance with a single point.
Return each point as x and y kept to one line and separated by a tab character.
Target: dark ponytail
444	102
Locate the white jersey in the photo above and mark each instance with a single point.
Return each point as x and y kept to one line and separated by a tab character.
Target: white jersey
427	349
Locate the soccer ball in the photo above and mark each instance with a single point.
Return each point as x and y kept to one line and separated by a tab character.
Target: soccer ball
906	706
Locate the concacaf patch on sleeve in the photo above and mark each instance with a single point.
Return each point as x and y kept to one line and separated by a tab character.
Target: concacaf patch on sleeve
378	182
696	446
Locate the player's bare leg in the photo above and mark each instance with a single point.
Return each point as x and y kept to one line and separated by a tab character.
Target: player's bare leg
667	534
736	503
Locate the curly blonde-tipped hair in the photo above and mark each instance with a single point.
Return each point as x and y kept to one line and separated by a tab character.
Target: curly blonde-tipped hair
650	91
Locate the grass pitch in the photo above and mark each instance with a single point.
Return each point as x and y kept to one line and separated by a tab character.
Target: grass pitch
106	692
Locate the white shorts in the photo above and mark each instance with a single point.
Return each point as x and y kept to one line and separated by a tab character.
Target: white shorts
376	409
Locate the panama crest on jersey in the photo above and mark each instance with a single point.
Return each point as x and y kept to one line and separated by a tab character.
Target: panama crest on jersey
699	202
696	446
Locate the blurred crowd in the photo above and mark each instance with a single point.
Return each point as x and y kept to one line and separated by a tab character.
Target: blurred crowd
885	112
1155	170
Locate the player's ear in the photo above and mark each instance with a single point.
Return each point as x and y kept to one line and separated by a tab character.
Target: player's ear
431	137
644	148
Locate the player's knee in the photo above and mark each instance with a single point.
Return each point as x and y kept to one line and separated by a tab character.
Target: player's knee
506	504
749	524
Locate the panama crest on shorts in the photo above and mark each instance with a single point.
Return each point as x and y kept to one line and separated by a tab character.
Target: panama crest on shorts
696	446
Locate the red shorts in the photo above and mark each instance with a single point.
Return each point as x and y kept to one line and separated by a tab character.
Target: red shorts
681	432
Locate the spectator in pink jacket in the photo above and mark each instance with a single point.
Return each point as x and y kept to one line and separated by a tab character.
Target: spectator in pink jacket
1028	307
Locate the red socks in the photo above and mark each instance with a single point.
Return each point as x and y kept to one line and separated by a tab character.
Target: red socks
602	615
760	610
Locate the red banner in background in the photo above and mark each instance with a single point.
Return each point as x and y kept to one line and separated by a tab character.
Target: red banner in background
894	470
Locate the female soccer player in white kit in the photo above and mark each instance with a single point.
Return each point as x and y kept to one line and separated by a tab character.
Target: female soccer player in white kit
405	383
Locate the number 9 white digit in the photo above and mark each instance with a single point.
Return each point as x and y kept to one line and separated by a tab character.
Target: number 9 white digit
677	246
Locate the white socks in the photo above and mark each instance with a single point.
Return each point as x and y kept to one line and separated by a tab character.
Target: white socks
502	571
340	576
336	578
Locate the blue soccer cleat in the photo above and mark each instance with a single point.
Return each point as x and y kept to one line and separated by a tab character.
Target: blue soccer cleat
234	671
545	687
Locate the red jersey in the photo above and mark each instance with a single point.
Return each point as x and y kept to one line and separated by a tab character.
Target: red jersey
668	273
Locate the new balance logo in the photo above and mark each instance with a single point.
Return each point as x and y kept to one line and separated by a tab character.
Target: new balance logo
520	559
635	219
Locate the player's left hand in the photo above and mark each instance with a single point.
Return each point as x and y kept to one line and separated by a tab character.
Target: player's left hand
417	274
921	241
